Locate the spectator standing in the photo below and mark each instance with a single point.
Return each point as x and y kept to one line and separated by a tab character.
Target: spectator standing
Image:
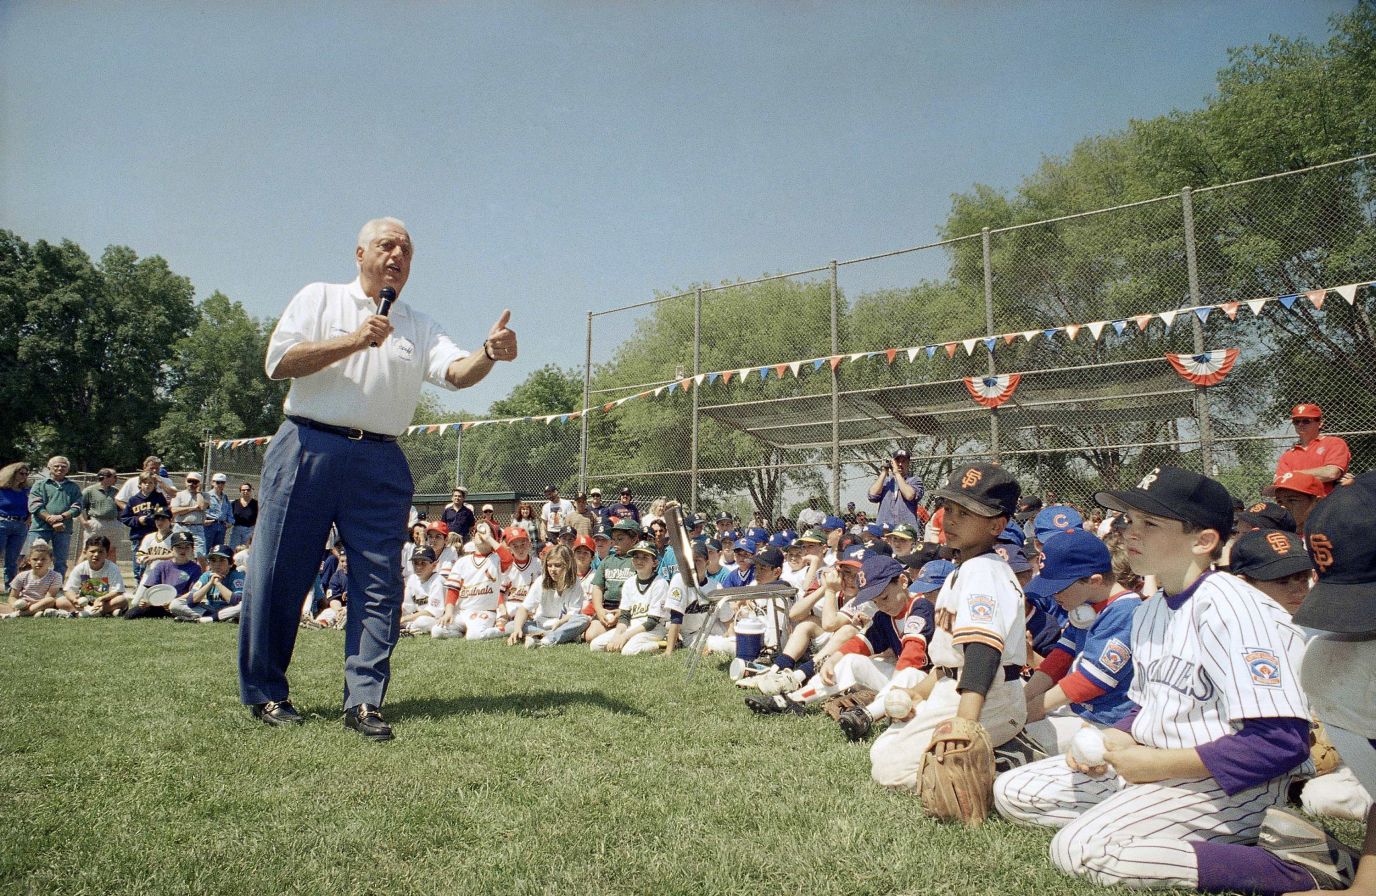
54	504
554	515
14	515
1324	457
596	506
457	514
897	493
151	464
100	513
218	515
245	511
525	518
583	519
810	517
188	512
624	508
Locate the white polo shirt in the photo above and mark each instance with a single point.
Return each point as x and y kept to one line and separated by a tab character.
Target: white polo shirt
374	389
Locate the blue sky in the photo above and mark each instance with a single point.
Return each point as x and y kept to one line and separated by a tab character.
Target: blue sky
563	157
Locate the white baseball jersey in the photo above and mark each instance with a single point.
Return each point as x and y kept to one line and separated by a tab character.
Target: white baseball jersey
980	603
644	601
446	560
478	581
427	595
680	599
517	579
545	605
1227	653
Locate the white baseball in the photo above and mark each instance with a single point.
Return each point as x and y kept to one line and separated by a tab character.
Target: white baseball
1082	616
1088	747
898	704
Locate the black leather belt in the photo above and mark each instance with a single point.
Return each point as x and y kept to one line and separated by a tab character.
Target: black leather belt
1010	673
347	432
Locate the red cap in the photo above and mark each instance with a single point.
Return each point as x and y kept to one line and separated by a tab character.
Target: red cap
1306	410
437	526
585	541
515	533
1304	483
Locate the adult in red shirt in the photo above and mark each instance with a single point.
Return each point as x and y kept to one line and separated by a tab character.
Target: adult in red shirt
1323	457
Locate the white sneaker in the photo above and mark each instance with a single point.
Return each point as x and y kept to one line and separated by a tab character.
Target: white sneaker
206	619
51	612
14	614
87	613
534	641
778	681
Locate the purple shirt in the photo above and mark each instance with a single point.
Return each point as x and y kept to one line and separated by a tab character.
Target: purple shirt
181	577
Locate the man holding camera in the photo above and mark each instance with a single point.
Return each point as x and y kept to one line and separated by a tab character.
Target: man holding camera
897	493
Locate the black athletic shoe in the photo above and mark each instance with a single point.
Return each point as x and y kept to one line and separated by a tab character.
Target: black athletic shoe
1289	836
855	723
776	705
276	713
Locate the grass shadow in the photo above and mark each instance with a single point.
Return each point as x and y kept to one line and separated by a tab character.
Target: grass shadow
543	703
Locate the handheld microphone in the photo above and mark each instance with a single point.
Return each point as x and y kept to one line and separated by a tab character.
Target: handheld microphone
387	296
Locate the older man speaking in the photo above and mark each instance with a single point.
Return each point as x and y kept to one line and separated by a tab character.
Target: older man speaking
356	375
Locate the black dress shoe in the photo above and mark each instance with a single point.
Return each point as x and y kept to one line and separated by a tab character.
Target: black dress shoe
367	721
276	713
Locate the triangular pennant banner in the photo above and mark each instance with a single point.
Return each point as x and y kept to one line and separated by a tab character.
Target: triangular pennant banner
673	387
745	372
1009	338
818	362
794	367
712	378
1119	326
1168	318
992	391
951	349
779	370
1316	297
858	355
1287	301
990	342
1072	330
1096	329
726	376
1142	320
835	361
1230	309
1202	312
969	345
1206	369
699	378
1256	305
912	352
890	354
1049	333
1348	292
764	374
931	352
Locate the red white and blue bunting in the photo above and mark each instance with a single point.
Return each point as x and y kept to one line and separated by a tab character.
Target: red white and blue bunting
1207	369
992	391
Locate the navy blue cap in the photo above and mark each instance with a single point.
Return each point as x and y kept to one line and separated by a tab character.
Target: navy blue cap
1268	554
747	544
854	556
876	573
1015	555
1056	519
1342	544
875	529
1066	559
725	518
713	544
700	550
772	557
932	576
691	522
833	522
783	539
1012	534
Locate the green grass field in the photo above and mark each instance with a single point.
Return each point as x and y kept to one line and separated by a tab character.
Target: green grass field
130	767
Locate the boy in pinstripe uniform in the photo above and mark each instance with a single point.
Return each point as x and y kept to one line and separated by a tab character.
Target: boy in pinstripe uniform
1188	782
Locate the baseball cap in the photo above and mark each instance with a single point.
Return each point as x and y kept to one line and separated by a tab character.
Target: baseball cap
877	571
1015	556
1028	508
181	540
713	544
437	526
550	488
700	550
901	452
1304	483
221	551
585	541
903	530
757	533
1056	519
1306	410
1268	554
163	513
854	557
874	529
193	476
881	547
692	521
1342	544
626	524
643	547
922	554
581	496
566	532
219	477
1266	515
931	576
985	489
515	533
749	545
1012	534
487	507
771	557
602	532
832	522
426	553
724	518
812	536
595	491
782	539
1178	495
1066	559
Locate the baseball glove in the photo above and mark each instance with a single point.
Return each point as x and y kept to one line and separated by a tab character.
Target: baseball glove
1322	751
957	784
855	695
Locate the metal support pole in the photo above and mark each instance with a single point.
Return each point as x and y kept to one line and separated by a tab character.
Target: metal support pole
835	403
697	368
583	419
1201	395
205	476
458	456
989	332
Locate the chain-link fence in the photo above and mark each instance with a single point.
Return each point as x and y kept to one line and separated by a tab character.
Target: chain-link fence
757	395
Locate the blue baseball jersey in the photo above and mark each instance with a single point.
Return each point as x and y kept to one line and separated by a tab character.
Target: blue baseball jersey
887	632
1103	655
736	580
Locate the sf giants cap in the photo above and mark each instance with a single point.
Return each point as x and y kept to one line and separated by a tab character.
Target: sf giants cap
985	489
1178	495
876	573
1268	554
1342	544
1265	515
1306	410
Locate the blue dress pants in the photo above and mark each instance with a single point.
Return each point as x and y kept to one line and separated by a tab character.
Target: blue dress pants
310	480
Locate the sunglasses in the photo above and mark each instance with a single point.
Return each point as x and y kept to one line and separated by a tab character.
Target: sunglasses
1304	420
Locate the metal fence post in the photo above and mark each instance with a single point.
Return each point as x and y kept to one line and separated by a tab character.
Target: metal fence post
835	402
1201	395
989	332
458	455
697	368
583	419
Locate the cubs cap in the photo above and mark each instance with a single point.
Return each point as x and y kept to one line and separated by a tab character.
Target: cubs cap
1306	410
1268	554
748	545
832	522
626	524
1066	559
813	536
1176	494
1304	483
181	540
986	489
771	557
931	576
426	553
903	530
1266	515
876	572
1342	544
643	547
1056	519
221	551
